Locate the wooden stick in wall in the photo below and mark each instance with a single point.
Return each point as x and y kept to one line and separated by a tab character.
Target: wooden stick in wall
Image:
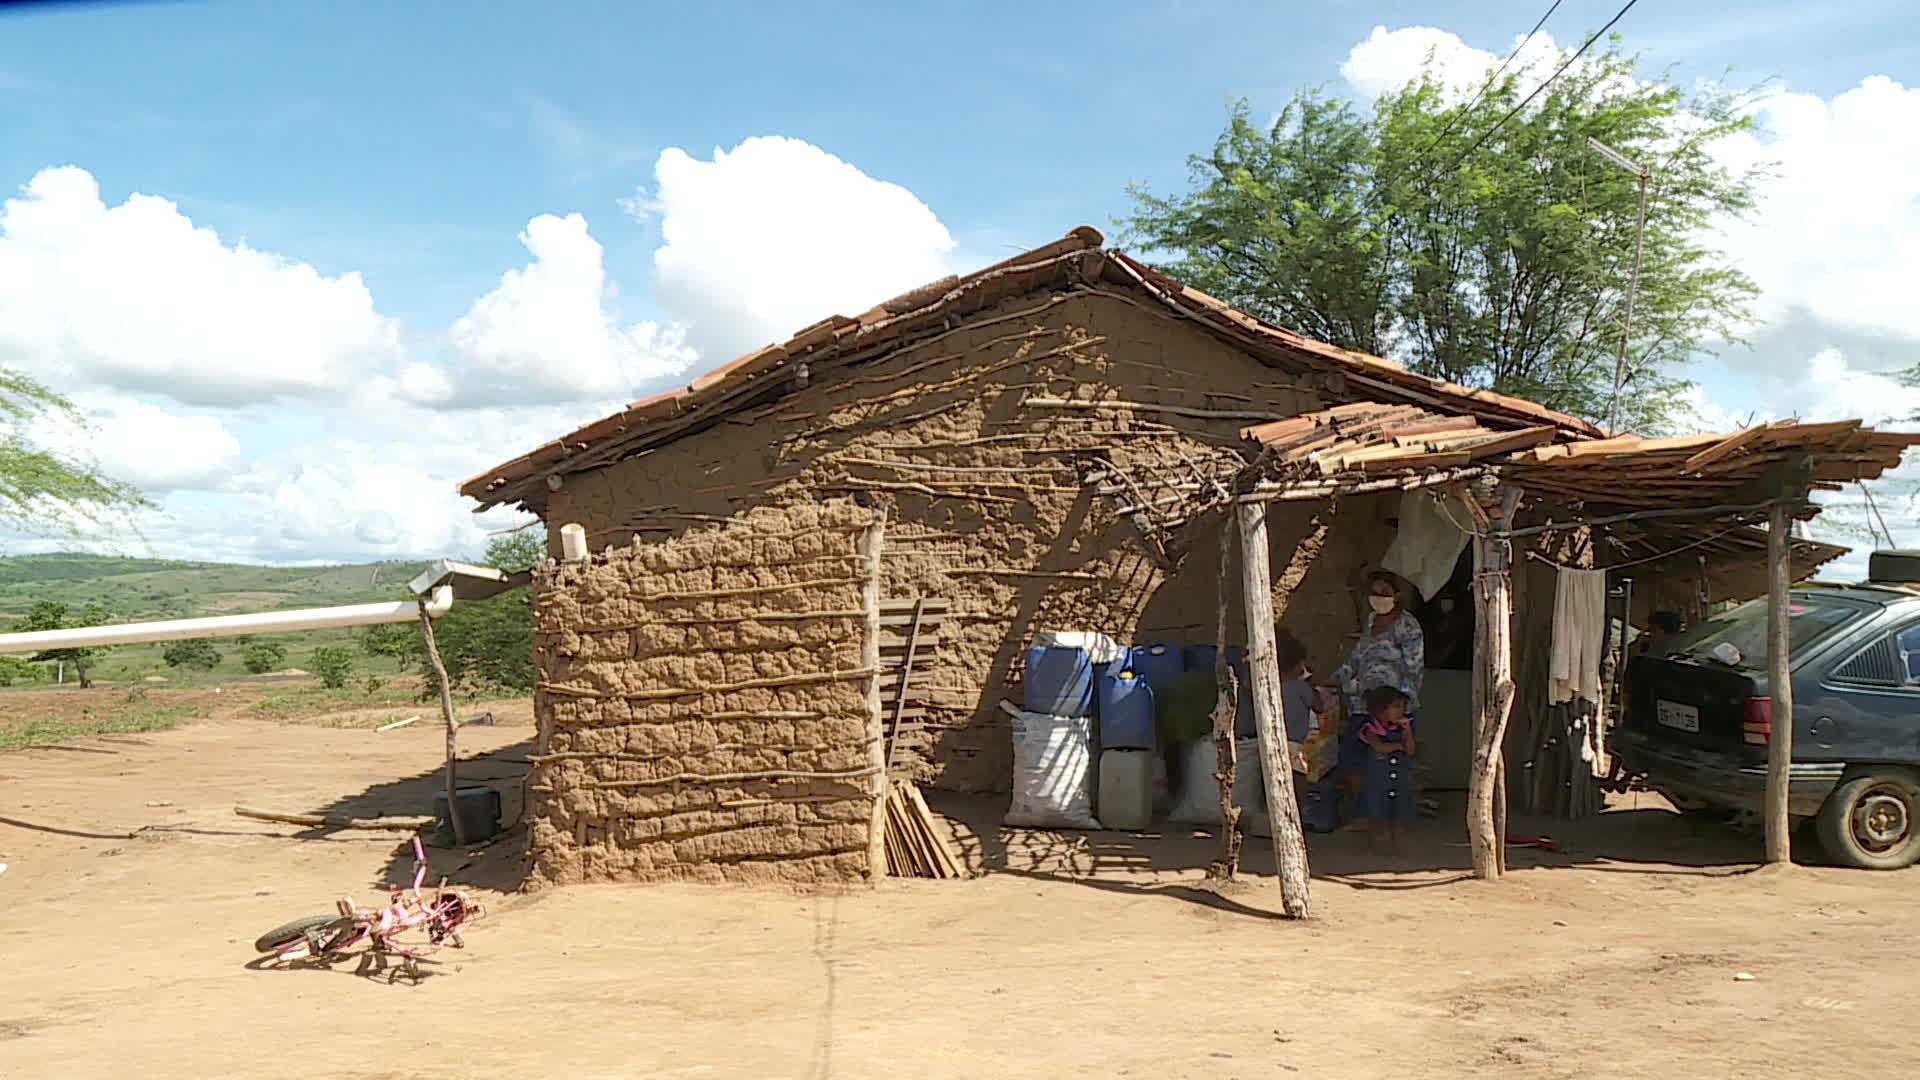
871	545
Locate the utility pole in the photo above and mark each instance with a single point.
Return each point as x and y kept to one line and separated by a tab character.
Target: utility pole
1641	172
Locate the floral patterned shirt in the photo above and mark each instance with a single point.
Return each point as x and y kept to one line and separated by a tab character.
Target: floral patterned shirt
1396	658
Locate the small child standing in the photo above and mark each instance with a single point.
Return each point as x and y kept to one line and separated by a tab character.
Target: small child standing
1386	794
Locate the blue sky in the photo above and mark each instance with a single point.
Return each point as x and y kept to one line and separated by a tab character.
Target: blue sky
412	144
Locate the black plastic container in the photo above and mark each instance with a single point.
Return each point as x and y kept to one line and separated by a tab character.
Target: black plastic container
479	814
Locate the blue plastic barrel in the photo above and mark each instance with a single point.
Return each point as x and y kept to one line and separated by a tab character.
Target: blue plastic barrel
1126	709
1058	681
1161	663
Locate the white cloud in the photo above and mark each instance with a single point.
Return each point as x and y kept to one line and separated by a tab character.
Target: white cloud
777	234
139	298
1388	59
169	338
545	333
1836	235
144	444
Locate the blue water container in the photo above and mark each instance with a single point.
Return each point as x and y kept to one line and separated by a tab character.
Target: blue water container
1161	663
1058	681
1126	709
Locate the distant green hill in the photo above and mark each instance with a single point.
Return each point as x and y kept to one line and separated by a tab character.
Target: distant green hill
161	588
134	590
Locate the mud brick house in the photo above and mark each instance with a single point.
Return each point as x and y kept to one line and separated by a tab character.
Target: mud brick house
1038	445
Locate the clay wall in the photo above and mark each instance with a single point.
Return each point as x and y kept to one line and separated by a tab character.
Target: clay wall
960	440
706	705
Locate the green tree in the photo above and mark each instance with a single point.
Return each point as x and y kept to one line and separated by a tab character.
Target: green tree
44	492
333	664
263	656
1491	254
199	654
15	669
54	615
484	643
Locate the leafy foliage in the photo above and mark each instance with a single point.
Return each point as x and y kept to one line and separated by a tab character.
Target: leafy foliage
1500	264
199	654
15	669
263	656
333	664
485	644
53	615
41	491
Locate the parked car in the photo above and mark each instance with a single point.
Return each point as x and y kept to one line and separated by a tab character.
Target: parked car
1698	718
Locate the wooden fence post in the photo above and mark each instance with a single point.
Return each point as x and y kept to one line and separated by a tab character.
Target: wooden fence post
1283	813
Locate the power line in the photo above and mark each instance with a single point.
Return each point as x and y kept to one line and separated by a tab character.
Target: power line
1492	80
1515	111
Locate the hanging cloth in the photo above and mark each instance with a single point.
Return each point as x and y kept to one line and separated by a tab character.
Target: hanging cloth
1579	634
1427	545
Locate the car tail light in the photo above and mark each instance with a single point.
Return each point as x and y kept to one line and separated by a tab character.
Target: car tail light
1756	720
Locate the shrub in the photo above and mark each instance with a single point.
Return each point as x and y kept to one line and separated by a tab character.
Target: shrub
264	656
333	664
196	653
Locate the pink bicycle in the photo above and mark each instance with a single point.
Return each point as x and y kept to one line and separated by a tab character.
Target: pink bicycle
325	937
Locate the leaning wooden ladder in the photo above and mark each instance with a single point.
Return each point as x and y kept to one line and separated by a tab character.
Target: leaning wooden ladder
910	634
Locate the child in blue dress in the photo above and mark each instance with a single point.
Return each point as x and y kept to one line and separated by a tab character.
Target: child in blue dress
1386	793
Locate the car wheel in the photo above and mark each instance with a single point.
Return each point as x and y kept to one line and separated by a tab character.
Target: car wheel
1872	820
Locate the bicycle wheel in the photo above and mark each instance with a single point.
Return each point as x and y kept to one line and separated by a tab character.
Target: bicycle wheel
335	931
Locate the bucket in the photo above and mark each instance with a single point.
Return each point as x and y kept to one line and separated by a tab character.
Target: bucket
479	808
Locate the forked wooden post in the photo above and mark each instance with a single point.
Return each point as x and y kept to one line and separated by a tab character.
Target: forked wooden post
1283	813
1779	682
1492	679
446	713
1226	707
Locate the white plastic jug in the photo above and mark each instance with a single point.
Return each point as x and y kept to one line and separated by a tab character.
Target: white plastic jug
1126	788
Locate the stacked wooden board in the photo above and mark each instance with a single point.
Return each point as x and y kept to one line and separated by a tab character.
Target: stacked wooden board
915	847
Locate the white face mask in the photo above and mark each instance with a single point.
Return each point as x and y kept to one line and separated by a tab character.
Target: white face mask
1380	604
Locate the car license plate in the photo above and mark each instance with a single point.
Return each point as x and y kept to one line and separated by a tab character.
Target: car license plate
1675	715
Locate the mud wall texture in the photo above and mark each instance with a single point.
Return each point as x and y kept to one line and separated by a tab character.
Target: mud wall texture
706	705
974	443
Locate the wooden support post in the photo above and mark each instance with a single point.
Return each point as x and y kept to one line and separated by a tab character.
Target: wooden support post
1226	707
871	544
1492	682
1779	682
1283	813
446	713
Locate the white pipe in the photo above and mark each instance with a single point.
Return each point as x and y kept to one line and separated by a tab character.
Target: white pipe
264	622
573	542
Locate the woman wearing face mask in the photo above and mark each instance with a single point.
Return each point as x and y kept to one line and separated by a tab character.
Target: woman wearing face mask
1391	652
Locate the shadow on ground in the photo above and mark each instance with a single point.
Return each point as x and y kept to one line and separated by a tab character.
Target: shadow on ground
1165	859
499	863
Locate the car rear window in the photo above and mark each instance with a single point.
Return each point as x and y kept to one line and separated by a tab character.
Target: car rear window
1809	619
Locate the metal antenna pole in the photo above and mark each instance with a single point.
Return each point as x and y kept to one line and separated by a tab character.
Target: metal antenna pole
1633	283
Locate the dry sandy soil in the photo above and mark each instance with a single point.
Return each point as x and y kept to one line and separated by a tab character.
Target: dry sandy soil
132	894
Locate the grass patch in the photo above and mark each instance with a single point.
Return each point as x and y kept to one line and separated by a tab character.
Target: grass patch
300	702
131	715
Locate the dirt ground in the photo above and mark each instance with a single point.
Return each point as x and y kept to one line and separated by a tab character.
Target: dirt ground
132	893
